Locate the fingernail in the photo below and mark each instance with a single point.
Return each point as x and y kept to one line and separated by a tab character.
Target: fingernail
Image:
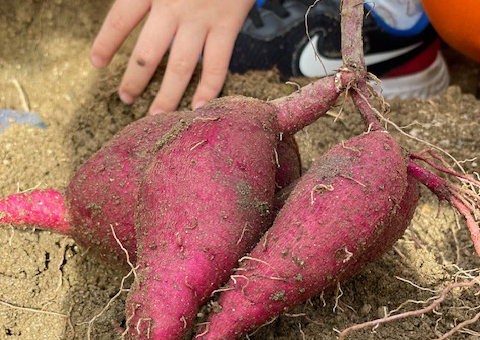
198	104
97	61
126	98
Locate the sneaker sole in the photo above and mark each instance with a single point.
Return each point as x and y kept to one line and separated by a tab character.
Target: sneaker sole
423	84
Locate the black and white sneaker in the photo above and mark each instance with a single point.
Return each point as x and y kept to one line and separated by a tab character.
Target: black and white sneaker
409	65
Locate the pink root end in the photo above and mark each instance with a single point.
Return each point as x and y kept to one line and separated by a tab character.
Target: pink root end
436	184
42	208
443	169
447	191
472	225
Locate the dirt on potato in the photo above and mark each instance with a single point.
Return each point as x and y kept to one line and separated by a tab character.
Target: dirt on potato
50	288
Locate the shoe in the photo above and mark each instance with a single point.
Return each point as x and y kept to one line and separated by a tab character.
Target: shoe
274	35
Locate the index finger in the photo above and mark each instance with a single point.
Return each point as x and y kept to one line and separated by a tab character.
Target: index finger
122	18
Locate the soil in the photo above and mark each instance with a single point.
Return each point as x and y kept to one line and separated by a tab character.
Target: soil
50	288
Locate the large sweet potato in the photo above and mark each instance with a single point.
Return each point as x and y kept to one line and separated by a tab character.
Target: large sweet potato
103	191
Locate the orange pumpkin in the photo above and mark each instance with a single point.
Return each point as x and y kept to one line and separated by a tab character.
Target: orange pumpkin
457	23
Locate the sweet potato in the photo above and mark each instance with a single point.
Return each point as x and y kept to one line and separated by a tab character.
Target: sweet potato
103	191
204	200
464	199
344	212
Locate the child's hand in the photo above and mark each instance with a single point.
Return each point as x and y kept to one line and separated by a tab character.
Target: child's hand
190	26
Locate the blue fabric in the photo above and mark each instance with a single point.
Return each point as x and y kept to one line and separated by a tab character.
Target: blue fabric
7	117
421	24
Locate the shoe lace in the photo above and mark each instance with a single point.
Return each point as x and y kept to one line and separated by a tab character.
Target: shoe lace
275	6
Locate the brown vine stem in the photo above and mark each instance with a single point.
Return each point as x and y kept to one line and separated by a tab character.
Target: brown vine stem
352	43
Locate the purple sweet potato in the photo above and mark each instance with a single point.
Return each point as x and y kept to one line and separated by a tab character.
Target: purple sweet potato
103	191
346	210
463	198
204	200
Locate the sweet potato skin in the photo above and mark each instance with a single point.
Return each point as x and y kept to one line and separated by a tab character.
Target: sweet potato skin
103	191
45	206
204	201
332	225
289	164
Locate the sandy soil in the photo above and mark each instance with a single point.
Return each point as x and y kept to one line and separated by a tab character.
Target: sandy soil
52	289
